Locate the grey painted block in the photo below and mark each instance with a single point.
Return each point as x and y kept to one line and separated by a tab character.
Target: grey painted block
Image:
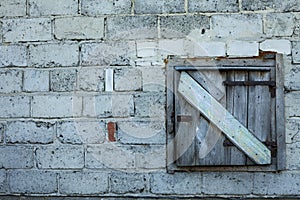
60	157
127	79
91	7
83	183
149	104
122	182
278	5
33	182
90	79
151	157
227	183
56	106
13	55
81	132
292	156
292	104
63	80
108	53
30	132
17	30
10	81
108	105
291	74
237	26
58	7
292	130
141	132
284	183
213	6
181	26
132	27
16	157
36	80
13	8
154	79
15	106
178	183
109	156
53	55
79	28
279	24
296	52
158	6
3	185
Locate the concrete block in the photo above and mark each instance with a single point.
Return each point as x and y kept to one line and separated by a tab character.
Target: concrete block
36	80
122	183
108	53
146	48
91	7
296	52
131	27
292	156
15	106
279	24
227	183
32	182
83	183
81	132
56	106
13	55
3	184
22	30
110	156
63	80
153	79
60	157
13	157
292	130
141	132
58	7
127	79
204	49
10	81
149	105
12	8
213	6
158	6
178	183
90	79
268	183
242	49
53	55
181	26
277	5
79	28
292	104
238	26
108	105
279	46
172	47
291	74
30	132
151	157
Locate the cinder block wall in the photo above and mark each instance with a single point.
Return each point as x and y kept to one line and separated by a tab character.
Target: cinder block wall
57	121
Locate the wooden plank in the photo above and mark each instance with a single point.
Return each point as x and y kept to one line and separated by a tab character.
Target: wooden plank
218	115
280	122
184	131
240	96
221	68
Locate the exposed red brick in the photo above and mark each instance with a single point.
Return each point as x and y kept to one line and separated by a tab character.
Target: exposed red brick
111	129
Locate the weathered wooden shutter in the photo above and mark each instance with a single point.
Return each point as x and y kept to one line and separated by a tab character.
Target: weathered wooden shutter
247	91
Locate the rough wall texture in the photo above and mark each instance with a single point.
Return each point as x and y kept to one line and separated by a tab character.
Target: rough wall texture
55	110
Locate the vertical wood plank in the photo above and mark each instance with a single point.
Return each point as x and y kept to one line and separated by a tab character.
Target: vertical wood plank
280	117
